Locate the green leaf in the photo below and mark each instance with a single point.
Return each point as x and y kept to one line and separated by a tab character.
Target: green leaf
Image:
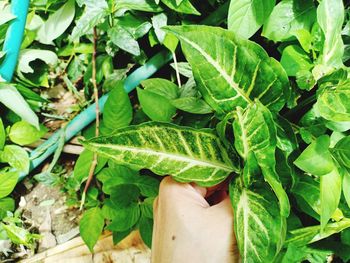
187	154
341	151
294	59
311	234
6	15
158	21
316	159
82	165
330	17
6	204
297	254
192	105
124	195
226	84
255	133
288	17
117	111
333	102
330	192
124	40
260	229
137	5
245	17
2	135
23	133
57	23
19	235
184	7
8	181
16	157
346	186
147	207
146	230
91	226
12	99
162	91
123	218
137	26
94	12
29	55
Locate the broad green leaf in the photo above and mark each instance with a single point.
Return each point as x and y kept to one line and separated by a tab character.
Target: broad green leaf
330	17
255	133
245	17
6	204
228	83
341	151
137	26
57	23
124	40
8	181
23	133
308	190
288	17
91	226
137	5
2	135
330	192
294	59
260	229
117	111
297	254
161	87
94	12
333	102
192	105
146	230
311	234
164	111
28	55
346	186
123	195
19	235
187	154
15	156
12	99
147	207
316	159
158	21
125	218
184	7
79	48
83	163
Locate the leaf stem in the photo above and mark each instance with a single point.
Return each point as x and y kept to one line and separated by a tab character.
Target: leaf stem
177	70
97	110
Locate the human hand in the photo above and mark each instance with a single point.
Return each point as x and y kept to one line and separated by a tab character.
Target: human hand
187	229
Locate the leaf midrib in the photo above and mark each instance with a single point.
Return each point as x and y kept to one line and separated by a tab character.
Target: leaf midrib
220	70
166	155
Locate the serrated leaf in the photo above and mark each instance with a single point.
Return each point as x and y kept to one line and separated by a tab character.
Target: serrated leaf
91	226
333	102
225	84
245	17
187	154
57	23
260	229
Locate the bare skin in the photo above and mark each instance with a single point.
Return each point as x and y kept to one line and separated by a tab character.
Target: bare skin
188	229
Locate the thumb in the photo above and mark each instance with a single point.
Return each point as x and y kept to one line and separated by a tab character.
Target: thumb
201	190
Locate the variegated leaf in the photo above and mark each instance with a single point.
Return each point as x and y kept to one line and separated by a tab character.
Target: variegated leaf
259	227
187	154
232	72
255	134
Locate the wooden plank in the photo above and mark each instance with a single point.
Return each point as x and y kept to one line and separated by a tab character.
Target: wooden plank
130	250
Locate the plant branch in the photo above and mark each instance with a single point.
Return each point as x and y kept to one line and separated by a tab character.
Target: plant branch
97	110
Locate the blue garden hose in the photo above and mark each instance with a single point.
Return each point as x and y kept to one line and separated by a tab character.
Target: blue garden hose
88	115
14	36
